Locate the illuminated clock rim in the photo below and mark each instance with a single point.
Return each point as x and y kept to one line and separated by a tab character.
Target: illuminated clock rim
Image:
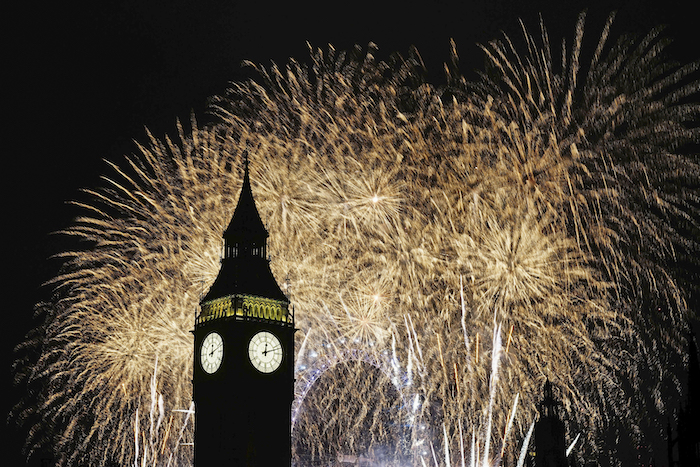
261	362
212	362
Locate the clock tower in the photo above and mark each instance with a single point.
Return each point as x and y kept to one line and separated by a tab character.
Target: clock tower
243	379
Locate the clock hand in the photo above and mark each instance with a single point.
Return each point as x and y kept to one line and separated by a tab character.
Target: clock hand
270	350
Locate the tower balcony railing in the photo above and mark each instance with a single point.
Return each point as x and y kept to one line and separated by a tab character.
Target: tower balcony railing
246	307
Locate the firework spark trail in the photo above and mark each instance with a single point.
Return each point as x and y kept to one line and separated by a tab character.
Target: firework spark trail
493	384
509	425
482	430
550	191
155	440
526	442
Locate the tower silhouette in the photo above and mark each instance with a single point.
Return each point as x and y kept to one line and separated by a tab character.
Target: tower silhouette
550	448
243	377
687	441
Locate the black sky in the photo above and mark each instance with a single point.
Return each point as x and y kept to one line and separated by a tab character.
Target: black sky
82	80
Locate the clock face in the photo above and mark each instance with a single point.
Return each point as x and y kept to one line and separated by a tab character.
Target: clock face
265	352
212	352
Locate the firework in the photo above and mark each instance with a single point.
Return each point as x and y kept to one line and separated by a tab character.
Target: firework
153	444
543	194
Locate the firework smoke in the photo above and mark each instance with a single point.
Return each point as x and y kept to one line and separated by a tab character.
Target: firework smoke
550	189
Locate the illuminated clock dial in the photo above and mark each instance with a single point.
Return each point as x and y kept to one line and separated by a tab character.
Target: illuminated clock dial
265	352
212	352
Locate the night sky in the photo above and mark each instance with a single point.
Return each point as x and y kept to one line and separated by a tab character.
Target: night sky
82	82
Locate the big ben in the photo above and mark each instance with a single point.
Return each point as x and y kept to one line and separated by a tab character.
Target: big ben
243	381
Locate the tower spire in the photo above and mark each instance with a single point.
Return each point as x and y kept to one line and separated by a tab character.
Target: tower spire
245	267
246	227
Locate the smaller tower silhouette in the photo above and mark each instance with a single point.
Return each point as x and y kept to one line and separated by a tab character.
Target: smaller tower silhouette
691	449
687	442
550	447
